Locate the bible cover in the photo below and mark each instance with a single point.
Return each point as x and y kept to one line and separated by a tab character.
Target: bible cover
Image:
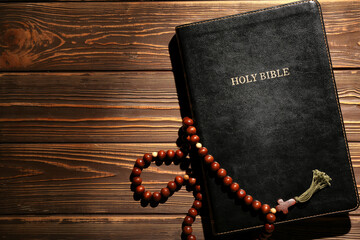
263	95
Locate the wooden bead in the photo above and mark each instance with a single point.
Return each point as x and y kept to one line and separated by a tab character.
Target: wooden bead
197	188
188	121
170	154
161	154
140	163
221	173
172	186
188	220
241	193
187	230
192	181
191	130
136	171
192	212
191	237
156	196
270	217
140	189
147	157
227	181
186	177
198	145
248	199
215	166
137	181
197	204
234	187
194	139
198	196
269	228
256	205
154	154
179	180
265	208
147	195
208	159
179	154
273	210
165	192
202	151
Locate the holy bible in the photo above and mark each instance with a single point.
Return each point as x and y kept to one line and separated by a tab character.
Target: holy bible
264	99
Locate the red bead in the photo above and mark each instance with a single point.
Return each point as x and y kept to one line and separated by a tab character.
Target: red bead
179	180
170	154
215	166
192	181
188	220
202	151
161	154
234	187
187	230
241	193
172	186
227	180
156	196
248	199
188	138
140	163
137	181
270	217
197	188
194	139
197	204
147	195
140	189
198	196
136	171
265	208
191	130
165	192
256	205
179	154
192	212
147	157
269	228
221	173
191	237
188	121
208	159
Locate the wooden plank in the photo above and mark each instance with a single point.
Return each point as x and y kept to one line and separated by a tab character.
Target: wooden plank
94	227
114	106
89	107
134	35
81	178
88	178
158	227
348	87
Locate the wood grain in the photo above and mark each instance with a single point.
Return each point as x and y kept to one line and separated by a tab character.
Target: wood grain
135	35
114	106
88	178
162	227
81	178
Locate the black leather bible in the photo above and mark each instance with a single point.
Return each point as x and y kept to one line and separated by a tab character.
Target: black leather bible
265	103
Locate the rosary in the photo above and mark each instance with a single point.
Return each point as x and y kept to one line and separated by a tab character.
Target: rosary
189	142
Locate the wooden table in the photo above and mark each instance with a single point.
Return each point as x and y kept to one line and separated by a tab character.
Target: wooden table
86	88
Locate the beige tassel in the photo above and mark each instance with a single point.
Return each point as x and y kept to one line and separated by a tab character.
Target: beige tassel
320	180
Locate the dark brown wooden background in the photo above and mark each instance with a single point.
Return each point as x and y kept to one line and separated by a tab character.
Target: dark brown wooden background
87	87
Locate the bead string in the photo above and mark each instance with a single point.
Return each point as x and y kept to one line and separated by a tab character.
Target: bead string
190	141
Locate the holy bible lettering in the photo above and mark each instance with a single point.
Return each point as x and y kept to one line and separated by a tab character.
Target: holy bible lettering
253	77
